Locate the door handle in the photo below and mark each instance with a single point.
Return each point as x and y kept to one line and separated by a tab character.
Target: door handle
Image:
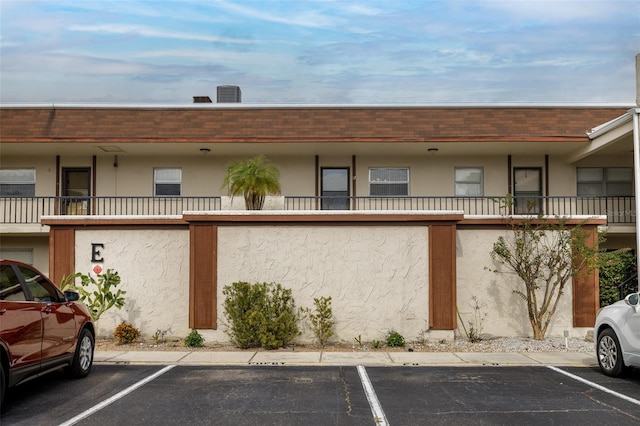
2	311
48	309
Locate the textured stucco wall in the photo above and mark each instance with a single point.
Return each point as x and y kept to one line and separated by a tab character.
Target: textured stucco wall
377	276
506	313
154	268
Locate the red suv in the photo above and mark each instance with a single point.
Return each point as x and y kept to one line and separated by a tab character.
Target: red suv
41	328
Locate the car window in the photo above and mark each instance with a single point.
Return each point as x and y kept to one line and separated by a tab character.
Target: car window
39	287
10	288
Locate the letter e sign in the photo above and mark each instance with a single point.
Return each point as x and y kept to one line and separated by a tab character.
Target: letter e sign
96	252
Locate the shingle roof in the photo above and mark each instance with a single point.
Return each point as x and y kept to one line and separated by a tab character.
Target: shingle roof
303	124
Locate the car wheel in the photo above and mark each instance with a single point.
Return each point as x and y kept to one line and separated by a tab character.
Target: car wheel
610	353
83	358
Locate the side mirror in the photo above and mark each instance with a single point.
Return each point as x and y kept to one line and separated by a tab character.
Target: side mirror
633	300
71	296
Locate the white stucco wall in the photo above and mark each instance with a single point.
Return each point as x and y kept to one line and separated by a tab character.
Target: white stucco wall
377	276
154	268
506	313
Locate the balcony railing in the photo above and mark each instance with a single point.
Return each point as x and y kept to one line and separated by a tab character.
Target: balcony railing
31	209
619	210
24	210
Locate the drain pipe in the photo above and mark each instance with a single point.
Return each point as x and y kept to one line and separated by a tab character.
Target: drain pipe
636	171
636	161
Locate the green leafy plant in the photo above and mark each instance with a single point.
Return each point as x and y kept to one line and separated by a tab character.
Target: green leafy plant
99	294
321	319
194	339
376	344
126	333
254	178
615	268
394	339
260	315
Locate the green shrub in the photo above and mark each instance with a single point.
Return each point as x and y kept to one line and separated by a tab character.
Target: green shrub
259	315
99	295
614	268
194	340
395	339
321	319
126	333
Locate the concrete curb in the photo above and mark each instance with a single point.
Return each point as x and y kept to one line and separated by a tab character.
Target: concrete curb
347	358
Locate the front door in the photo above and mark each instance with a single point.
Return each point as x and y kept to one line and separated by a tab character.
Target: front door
335	188
528	190
76	189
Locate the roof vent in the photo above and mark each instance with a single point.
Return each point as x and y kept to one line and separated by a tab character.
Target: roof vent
202	100
229	94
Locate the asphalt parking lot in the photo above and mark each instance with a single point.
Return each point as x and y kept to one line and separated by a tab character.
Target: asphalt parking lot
348	395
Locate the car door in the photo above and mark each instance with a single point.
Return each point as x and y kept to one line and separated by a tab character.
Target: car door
20	322
58	318
631	333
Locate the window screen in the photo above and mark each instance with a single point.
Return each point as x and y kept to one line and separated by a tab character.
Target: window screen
168	182
388	182
17	182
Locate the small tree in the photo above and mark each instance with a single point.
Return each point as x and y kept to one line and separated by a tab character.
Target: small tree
254	179
545	255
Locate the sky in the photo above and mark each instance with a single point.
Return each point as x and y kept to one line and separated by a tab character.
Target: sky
320	52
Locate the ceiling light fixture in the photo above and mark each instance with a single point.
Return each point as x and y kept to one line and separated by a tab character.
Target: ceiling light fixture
205	151
432	150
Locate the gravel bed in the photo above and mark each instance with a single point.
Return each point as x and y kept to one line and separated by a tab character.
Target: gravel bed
488	344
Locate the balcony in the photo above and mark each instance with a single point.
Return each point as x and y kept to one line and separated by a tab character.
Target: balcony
29	210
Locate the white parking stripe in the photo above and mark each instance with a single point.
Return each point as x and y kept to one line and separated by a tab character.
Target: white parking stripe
595	385
115	397
376	409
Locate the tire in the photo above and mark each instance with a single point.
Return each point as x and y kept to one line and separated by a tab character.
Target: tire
3	385
610	353
83	358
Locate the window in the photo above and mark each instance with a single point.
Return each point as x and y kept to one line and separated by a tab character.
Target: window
605	181
468	182
168	182
17	182
388	182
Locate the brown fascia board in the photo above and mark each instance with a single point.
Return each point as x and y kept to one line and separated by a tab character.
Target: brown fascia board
232	125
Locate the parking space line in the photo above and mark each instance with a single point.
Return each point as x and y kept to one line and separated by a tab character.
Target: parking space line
595	385
115	397
376	409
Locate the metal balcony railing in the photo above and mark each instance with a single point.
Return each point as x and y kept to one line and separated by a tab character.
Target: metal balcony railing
25	210
31	209
619	210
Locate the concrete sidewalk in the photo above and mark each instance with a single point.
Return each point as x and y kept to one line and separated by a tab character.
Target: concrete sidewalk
380	358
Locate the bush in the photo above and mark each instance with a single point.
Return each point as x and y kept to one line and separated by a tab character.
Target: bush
126	333
194	340
615	267
395	339
321	319
259	315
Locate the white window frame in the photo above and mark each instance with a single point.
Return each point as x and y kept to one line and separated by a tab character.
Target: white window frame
388	181
459	184
26	178
166	181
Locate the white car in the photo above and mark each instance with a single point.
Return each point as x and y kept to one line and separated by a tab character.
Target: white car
617	332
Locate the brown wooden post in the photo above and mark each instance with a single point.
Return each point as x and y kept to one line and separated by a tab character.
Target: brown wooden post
62	253
586	289
203	276
442	277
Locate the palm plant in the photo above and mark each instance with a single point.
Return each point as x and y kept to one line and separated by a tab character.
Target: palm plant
254	179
